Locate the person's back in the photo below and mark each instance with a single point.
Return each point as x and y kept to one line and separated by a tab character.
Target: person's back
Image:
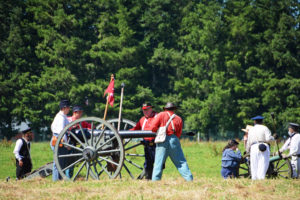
170	146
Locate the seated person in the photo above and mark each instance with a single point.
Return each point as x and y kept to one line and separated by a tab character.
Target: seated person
230	160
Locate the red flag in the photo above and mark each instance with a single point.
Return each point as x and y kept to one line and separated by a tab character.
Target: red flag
110	90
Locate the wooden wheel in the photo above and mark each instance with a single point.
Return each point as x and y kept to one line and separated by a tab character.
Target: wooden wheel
244	168
134	152
97	152
279	168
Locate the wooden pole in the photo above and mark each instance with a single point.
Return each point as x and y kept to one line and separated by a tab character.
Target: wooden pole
106	106
121	103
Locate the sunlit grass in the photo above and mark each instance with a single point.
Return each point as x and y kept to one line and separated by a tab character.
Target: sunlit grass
203	159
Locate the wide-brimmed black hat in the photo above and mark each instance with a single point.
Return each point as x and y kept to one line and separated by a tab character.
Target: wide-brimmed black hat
170	105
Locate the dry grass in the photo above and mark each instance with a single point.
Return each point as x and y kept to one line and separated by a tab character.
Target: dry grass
200	188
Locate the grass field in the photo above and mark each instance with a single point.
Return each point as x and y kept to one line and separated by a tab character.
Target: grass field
203	159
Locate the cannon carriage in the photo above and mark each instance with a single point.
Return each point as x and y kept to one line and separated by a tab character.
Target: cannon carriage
279	167
102	151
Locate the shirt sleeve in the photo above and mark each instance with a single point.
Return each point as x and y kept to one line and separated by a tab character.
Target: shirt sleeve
236	156
268	135
137	126
294	145
179	129
285	146
16	151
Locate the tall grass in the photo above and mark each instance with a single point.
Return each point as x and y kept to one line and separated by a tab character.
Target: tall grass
203	159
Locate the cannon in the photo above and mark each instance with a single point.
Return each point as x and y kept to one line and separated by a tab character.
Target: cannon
279	167
102	151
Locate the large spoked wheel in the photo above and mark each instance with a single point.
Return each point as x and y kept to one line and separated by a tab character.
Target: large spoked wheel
244	168
134	152
83	153
279	168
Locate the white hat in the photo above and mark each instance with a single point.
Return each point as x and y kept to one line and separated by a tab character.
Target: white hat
248	127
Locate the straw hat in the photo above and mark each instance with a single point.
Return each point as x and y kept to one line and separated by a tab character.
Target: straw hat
248	127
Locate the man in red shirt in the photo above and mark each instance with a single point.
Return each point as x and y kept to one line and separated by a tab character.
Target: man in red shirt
149	145
77	113
171	146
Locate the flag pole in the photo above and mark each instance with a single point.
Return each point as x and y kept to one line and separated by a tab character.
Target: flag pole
121	103
106	106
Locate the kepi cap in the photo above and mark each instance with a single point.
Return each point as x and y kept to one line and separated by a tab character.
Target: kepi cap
257	117
145	106
77	108
26	130
64	103
294	126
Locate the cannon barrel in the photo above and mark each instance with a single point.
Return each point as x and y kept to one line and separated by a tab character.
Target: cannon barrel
124	134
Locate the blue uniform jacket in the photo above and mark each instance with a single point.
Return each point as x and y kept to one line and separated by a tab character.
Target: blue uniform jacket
230	158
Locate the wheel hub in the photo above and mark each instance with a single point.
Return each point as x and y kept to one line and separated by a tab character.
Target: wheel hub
89	153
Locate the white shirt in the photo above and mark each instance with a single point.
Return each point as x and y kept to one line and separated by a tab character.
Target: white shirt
18	146
292	143
259	133
59	122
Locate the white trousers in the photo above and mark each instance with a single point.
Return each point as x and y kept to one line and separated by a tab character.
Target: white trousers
259	162
295	161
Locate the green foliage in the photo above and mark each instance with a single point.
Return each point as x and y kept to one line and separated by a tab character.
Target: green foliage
222	61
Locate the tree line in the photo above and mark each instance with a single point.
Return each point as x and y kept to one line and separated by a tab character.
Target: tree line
221	61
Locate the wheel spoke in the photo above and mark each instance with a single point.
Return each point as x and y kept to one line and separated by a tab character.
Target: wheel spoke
244	168
128	171
283	170
92	132
79	160
73	147
77	139
111	139
78	171
100	136
110	161
103	168
281	166
95	168
136	155
133	146
69	155
108	151
127	142
88	171
133	163
83	134
283	176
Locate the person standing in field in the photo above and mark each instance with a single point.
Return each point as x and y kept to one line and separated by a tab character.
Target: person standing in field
149	146
77	114
258	147
230	160
293	144
22	154
171	145
59	123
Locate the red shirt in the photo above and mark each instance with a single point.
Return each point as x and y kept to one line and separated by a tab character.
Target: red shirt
144	124
83	124
161	120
